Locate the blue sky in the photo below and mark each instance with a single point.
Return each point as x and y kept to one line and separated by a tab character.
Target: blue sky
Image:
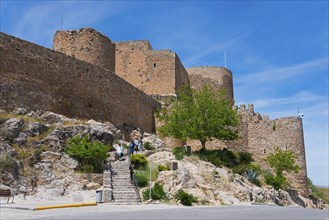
277	50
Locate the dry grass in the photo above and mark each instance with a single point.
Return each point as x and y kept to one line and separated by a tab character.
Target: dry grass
25	118
325	192
42	135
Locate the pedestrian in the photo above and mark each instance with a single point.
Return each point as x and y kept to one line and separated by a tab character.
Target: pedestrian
141	146
136	142
131	170
120	151
131	147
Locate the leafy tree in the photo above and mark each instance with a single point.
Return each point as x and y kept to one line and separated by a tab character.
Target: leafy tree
199	115
280	161
88	154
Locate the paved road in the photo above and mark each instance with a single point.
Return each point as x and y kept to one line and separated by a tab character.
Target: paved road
105	211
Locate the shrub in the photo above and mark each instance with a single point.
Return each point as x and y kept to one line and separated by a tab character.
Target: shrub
245	157
141	179
87	152
317	193
6	162
252	176
179	152
139	161
87	168
278	182
162	167
157	193
185	198
148	146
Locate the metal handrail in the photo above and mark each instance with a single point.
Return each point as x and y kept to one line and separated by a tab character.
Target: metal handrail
136	187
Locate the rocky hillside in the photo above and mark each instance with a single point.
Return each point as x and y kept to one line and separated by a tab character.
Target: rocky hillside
33	162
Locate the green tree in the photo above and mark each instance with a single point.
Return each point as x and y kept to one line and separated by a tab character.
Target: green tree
280	161
88	154
199	115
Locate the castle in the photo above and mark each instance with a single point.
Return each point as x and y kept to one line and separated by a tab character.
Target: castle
86	75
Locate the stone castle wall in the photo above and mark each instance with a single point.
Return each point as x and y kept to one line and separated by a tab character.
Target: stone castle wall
88	45
215	77
34	77
152	71
260	136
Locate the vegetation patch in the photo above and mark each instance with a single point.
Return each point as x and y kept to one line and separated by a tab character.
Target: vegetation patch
6	163
238	162
280	160
88	154
157	193
185	198
139	161
148	146
318	192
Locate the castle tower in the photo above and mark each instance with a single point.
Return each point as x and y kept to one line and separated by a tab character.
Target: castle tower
215	77
88	45
285	133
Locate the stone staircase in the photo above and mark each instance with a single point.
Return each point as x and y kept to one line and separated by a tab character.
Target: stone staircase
123	192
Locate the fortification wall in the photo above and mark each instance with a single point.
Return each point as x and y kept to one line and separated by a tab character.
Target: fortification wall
34	77
215	77
152	71
260	136
88	45
285	133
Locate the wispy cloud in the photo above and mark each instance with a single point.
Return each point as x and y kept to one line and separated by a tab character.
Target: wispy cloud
43	20
304	96
213	49
280	74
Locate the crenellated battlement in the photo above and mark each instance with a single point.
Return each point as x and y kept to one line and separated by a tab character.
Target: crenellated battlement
88	75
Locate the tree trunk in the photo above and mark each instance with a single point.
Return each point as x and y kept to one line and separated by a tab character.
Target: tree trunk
203	144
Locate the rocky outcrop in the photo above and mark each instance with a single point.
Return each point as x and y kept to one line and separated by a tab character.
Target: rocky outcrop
211	184
32	149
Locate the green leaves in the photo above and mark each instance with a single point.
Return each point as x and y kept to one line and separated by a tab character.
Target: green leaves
280	161
199	115
87	152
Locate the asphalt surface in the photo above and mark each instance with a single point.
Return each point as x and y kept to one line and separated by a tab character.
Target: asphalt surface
106	211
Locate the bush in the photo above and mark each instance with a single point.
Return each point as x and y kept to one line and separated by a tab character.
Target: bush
87	153
179	152
141	179
7	163
236	161
139	161
87	168
245	157
185	198
317	193
252	176
278	182
148	146
157	193
162	168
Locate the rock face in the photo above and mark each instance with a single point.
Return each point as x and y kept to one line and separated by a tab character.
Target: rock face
33	162
211	184
32	149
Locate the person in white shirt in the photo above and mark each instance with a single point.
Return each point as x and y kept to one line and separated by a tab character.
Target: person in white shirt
119	151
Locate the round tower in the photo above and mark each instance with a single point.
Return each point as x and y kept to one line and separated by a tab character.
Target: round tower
215	77
88	45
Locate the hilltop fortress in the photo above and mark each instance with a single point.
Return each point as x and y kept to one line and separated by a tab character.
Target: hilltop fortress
86	75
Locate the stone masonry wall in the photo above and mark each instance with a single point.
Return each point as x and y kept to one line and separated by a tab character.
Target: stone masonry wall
215	77
34	77
259	136
88	45
285	133
152	71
